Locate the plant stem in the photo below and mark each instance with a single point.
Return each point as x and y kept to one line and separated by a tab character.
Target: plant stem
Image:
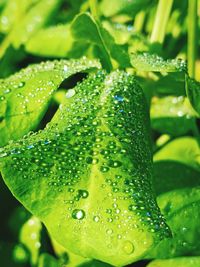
160	23
192	36
93	8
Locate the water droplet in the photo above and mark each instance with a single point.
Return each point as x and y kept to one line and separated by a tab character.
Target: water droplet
70	93
83	193
7	91
109	231
91	160
128	247
104	169
114	163
96	218
119	98
118	176
78	214
21	84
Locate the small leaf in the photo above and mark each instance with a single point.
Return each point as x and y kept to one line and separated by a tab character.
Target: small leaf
172	115
184	150
153	62
182	262
100	37
47	260
193	93
25	96
90	172
30	235
170	175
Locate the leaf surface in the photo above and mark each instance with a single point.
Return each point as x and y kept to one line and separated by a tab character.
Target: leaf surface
59	42
170	175
113	7
152	62
25	96
101	38
193	93
183	262
172	115
93	164
181	210
183	149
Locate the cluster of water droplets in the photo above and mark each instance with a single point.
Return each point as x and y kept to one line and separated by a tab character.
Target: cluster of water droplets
153	62
100	139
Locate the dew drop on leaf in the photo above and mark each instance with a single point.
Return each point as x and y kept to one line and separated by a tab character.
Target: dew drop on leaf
83	193
128	247
109	231
96	218
104	169
21	84
114	163
78	214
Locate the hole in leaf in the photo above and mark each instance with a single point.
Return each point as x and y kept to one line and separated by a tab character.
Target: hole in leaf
1	118
53	107
72	81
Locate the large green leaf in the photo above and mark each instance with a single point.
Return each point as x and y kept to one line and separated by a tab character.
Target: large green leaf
172	115
105	45
58	43
182	262
25	96
87	175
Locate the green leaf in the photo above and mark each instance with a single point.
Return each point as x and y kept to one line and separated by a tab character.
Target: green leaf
183	262
170	175
36	18
119	31
105	45
25	96
114	7
171	84
184	150
172	115
13	12
152	62
47	260
58	43
182	212
90	172
193	93
30	235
